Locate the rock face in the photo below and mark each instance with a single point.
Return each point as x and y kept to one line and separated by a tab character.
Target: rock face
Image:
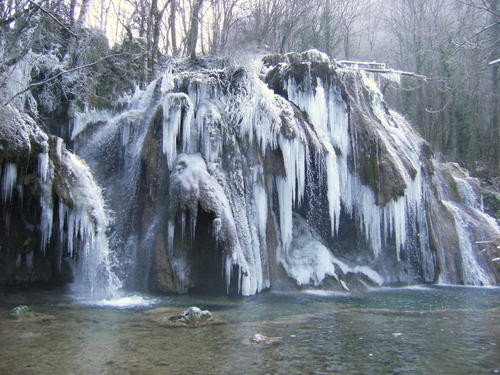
232	180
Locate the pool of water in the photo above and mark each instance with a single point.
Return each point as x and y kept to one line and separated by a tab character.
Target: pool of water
419	330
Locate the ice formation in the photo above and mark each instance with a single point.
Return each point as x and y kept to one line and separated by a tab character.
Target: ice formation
309	262
62	193
192	187
297	165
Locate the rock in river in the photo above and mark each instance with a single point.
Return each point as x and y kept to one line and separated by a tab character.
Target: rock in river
193	315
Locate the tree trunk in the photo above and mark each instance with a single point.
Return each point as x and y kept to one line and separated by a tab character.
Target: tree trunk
83	11
193	32
173	34
72	7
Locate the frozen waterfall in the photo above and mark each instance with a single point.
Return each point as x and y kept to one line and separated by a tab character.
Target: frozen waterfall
213	174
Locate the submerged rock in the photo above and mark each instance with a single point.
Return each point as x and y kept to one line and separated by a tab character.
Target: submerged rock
258	338
265	340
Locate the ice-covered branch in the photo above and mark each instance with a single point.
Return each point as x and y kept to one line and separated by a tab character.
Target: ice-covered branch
375	67
30	86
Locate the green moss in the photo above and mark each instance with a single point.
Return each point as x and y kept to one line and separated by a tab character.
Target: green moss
98	102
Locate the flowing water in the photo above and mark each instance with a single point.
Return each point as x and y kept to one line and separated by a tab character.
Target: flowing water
416	330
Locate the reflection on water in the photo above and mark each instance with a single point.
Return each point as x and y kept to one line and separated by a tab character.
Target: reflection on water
426	330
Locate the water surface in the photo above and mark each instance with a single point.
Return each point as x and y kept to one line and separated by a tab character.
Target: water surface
419	330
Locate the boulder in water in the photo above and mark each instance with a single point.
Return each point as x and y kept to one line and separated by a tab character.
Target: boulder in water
193	315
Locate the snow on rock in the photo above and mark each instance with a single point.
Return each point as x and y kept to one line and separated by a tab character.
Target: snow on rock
19	135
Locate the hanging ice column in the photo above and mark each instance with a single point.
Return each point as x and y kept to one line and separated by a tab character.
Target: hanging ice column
328	113
8	181
316	104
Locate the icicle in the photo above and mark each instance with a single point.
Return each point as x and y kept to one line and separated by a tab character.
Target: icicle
333	181
177	115
261	208
259	114
171	234
46	220
45	173
8	181
183	225
291	187
58	147
216	228
43	165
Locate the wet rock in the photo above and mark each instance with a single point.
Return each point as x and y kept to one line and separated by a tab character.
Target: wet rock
193	315
169	317
21	312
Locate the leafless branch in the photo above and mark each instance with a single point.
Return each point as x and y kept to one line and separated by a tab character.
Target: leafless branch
483	8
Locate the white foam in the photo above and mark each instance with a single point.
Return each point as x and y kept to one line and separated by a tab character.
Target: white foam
127	302
459	286
325	293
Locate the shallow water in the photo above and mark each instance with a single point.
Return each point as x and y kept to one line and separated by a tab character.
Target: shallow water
426	330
